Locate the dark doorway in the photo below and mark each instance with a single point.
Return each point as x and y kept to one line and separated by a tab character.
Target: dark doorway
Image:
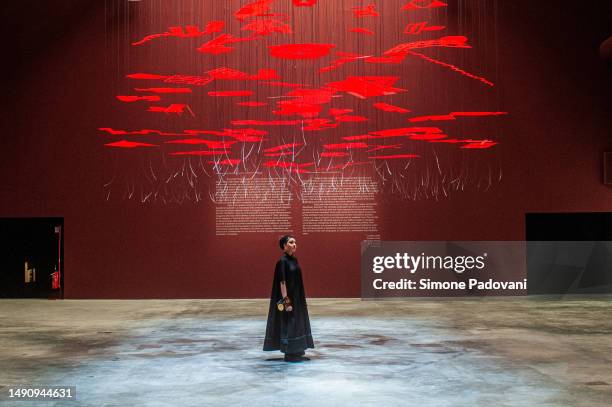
32	258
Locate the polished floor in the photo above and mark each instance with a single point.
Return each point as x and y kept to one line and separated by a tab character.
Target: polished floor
421	352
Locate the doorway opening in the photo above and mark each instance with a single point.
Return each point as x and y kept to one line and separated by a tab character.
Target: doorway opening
32	256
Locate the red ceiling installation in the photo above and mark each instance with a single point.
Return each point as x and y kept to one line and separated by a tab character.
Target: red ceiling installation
305	100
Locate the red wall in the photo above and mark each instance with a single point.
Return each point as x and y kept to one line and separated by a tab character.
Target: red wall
61	88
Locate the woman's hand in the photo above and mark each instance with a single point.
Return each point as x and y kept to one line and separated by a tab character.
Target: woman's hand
289	308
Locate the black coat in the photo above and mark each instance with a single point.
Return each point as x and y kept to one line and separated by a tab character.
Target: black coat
288	332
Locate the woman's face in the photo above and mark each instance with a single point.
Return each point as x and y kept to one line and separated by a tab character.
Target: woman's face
290	246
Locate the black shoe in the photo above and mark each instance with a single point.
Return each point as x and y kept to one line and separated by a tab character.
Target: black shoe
296	359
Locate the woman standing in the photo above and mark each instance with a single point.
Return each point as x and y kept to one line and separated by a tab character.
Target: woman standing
288	330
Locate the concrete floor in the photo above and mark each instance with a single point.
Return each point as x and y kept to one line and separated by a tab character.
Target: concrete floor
425	352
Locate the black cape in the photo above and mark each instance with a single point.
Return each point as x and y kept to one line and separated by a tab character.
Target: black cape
288	332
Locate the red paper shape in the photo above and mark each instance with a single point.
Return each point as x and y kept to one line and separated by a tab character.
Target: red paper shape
390	108
450	41
146	76
454	116
190	31
418	28
341	146
300	51
223	93
319	124
142	132
265	122
227	161
217	45
385	147
282	147
427	136
267	27
365	11
164	90
129	144
367	86
246	135
209	143
351	118
251	104
339	112
304	3
177	108
137	98
480	144
361	30
297	108
453	68
333	154
255	9
423	4
314	96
